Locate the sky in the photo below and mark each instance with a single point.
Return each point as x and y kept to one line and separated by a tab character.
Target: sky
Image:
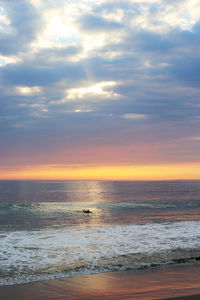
100	89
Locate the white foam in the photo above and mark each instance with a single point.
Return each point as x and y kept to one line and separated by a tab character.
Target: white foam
32	252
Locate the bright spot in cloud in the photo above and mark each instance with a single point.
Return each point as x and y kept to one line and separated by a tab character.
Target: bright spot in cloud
4	20
59	26
36	2
25	90
4	60
99	89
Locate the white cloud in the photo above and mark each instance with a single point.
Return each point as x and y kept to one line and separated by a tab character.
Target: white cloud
95	92
99	89
36	2
4	20
61	22
4	60
26	90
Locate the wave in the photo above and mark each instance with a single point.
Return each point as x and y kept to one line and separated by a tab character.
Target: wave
53	253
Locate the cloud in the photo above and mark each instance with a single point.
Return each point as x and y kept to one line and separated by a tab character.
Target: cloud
95	23
194	138
25	90
99	75
26	73
133	116
98	89
24	22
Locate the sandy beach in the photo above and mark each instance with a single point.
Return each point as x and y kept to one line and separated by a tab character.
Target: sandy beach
160	283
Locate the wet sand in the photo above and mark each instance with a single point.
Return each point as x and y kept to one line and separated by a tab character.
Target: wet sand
191	297
156	283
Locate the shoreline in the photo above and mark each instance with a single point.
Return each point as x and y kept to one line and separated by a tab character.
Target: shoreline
173	282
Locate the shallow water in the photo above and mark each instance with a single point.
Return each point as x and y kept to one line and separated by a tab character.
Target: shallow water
44	233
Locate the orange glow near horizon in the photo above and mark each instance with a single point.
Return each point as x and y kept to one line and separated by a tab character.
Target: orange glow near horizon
64	172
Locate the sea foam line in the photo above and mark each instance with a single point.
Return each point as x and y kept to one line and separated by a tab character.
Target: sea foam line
52	251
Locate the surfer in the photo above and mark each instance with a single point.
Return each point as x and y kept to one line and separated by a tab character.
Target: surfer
87	211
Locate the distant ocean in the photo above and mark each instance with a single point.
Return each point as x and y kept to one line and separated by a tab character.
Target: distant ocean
44	233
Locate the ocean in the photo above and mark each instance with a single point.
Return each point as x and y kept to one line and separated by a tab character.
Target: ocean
44	233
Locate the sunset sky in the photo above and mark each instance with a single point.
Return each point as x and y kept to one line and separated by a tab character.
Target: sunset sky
100	89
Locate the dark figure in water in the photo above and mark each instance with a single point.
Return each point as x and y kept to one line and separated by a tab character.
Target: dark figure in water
87	211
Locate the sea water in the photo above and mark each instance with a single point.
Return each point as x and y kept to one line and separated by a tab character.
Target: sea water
45	234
